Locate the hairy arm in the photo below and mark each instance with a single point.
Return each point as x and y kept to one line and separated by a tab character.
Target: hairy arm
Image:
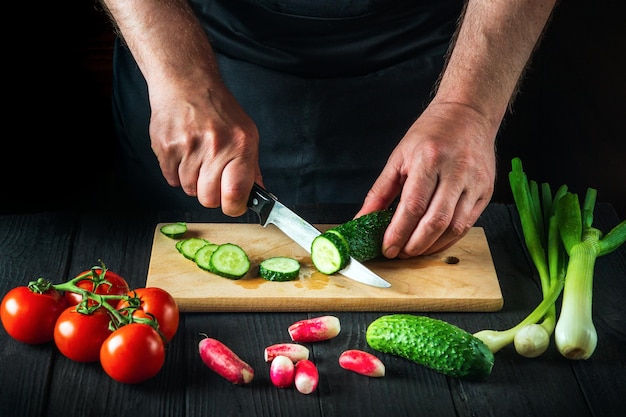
492	47
444	167
203	139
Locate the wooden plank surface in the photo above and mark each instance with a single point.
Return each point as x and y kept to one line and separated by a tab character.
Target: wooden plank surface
462	278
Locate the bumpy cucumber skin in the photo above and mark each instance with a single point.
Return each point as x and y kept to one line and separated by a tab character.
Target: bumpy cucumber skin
365	234
275	275
433	343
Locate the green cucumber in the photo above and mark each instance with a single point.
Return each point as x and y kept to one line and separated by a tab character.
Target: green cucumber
229	261
190	246
365	234
360	238
279	268
330	252
174	230
433	343
203	255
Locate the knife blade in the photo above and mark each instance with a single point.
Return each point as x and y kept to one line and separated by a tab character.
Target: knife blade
270	210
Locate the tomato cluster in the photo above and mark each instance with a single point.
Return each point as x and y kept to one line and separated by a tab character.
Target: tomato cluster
96	317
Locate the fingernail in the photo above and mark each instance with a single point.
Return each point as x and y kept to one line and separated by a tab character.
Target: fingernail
392	252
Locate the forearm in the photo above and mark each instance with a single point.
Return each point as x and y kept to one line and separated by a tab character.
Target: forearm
164	37
493	45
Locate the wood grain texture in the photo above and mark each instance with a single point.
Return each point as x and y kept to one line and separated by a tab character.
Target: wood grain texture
428	283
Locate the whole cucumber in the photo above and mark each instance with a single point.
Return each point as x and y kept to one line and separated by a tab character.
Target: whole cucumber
433	343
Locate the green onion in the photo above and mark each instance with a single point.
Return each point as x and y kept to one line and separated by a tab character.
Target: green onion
575	334
563	247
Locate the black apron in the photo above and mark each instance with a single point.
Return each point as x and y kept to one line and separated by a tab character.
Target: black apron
332	86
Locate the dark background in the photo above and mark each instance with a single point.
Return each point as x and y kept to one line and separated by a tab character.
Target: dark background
566	125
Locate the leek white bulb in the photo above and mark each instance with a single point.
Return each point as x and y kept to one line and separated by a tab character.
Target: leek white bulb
575	335
531	341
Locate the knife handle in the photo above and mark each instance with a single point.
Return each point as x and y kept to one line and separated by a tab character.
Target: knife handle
261	202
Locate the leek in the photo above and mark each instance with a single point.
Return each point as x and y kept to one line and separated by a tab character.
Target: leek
563	246
575	334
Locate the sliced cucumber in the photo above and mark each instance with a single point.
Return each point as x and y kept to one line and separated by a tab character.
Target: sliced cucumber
190	246
330	252
174	230
365	234
360	238
279	268
203	256
229	261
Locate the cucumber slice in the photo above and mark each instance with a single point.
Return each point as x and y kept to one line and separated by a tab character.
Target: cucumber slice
330	252
190	246
279	268
360	238
203	256
174	230
229	261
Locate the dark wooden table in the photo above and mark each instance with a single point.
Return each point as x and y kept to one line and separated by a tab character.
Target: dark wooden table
36	380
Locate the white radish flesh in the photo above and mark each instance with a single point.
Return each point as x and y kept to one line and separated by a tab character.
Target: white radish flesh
293	351
306	377
315	329
361	362
282	371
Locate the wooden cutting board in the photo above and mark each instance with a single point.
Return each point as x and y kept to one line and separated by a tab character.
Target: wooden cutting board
462	278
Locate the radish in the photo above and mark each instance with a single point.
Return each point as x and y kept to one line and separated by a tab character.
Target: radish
282	371
222	360
361	362
306	376
293	351
315	329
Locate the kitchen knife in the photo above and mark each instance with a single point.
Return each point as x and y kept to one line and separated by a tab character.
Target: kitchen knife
270	210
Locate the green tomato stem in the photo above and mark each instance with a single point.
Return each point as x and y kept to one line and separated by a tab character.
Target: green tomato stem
97	276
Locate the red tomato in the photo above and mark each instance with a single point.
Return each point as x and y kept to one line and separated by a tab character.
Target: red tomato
79	336
117	286
133	353
29	316
158	303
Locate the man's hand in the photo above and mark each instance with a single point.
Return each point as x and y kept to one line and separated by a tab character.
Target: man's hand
203	139
205	143
444	167
444	171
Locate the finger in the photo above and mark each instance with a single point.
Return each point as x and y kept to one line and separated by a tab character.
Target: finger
459	224
235	194
414	203
384	190
237	180
433	202
189	173
209	185
169	165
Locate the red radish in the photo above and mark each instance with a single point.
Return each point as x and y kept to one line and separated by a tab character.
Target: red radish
293	351
282	371
315	329
306	377
221	359
361	362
